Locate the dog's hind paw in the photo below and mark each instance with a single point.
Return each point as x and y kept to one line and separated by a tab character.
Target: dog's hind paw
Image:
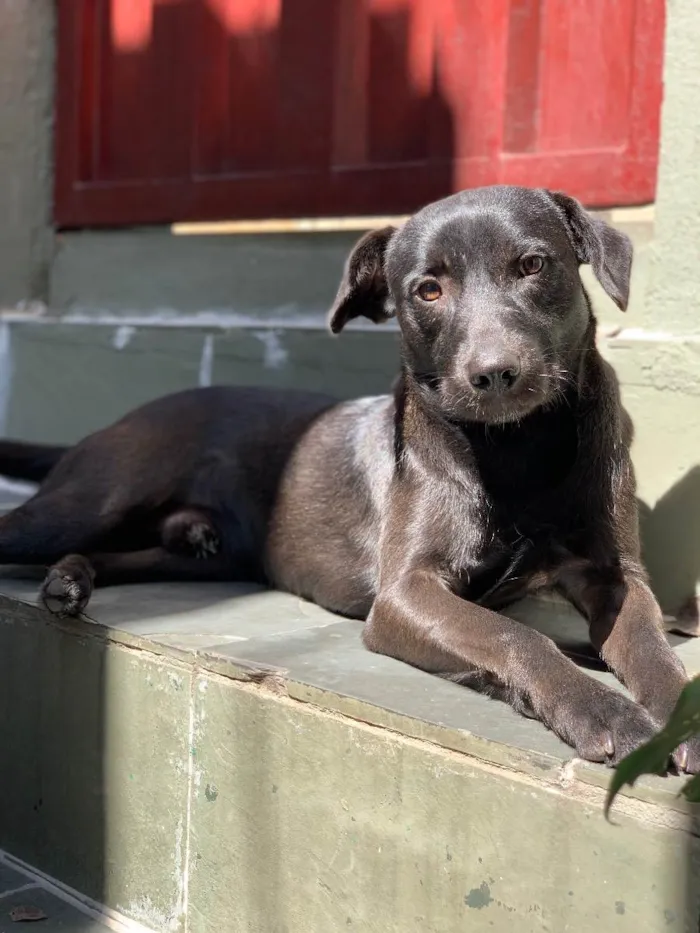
67	586
190	533
203	540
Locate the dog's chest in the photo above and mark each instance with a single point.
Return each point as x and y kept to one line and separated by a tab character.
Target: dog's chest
498	547
519	467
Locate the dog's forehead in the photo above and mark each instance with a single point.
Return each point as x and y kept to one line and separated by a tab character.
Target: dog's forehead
481	224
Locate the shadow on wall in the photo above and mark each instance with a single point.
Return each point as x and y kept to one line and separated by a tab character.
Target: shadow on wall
671	541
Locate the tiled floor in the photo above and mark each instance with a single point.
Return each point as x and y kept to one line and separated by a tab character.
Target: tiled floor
19	888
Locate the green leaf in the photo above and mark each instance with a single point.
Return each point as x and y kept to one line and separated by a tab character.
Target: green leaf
652	758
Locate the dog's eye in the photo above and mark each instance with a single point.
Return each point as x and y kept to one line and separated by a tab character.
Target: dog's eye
429	291
531	265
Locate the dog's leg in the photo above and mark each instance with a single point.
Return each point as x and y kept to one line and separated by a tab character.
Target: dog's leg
626	628
419	620
69	583
50	525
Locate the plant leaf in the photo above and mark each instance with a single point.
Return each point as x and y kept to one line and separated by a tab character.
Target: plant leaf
691	789
652	758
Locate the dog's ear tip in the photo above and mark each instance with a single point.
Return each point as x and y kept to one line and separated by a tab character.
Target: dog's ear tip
362	291
340	313
607	249
335	321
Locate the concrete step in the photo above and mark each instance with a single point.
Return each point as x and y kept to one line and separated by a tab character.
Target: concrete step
221	758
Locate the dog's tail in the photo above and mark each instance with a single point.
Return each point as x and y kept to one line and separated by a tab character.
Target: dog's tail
31	462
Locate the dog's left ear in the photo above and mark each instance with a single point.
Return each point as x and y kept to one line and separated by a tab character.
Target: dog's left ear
608	251
363	290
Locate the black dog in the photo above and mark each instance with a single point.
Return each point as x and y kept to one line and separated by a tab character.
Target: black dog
500	466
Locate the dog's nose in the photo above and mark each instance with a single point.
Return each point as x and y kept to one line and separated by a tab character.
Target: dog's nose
494	375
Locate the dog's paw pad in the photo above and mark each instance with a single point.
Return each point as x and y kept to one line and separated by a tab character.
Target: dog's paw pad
191	534
203	540
65	592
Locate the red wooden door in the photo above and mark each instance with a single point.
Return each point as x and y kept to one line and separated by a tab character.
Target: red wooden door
203	109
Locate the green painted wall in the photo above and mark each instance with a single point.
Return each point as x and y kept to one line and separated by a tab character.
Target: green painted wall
27	44
673	296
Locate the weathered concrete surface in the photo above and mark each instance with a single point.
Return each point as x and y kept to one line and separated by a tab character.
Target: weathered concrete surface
94	765
671	313
216	758
661	390
26	102
325	824
672	297
292	278
149	270
65	380
51	693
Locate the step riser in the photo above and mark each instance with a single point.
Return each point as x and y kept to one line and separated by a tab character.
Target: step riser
189	800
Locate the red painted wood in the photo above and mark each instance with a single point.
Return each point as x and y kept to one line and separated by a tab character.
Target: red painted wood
203	109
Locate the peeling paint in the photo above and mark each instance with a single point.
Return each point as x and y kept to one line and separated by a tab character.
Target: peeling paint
288	317
180	872
143	910
6	373
275	355
206	364
480	897
175	680
122	336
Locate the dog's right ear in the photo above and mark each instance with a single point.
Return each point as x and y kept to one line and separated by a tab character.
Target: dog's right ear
363	290
607	250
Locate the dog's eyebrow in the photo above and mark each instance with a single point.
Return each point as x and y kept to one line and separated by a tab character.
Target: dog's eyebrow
441	267
415	276
533	245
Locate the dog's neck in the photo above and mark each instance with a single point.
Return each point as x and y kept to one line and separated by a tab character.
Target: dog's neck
534	453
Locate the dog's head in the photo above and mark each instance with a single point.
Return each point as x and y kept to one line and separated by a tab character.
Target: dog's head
486	289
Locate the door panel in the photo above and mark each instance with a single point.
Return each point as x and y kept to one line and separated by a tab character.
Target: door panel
203	109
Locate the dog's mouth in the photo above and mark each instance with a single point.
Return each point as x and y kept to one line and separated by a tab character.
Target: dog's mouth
464	402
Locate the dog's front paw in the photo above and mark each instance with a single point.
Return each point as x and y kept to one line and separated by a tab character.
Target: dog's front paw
604	725
68	586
